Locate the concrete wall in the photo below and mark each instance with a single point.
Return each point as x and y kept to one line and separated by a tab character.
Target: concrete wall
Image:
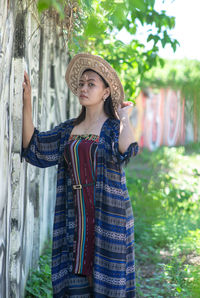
27	193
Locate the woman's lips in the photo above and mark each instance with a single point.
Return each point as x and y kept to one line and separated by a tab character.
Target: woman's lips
83	96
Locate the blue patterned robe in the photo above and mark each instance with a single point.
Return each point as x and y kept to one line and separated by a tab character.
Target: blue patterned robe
114	270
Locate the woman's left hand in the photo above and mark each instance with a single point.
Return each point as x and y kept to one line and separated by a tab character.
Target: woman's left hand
126	136
125	110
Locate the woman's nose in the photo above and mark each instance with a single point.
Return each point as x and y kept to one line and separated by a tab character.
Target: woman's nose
84	87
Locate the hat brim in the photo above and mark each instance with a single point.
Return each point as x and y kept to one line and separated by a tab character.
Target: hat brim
83	61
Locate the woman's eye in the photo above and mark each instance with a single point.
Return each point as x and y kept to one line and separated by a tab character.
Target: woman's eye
82	84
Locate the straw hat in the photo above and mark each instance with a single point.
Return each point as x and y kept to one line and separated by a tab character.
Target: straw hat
83	61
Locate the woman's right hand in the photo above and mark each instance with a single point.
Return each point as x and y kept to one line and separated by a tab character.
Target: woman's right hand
28	127
26	90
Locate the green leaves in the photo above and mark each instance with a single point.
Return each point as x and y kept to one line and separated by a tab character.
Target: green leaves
108	18
95	28
86	5
137	4
58	5
155	38
39	281
44	4
118	15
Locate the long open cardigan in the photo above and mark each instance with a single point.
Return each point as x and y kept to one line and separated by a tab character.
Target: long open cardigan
114	270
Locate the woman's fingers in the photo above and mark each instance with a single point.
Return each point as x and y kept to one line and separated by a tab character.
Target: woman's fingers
26	83
126	103
125	109
26	88
26	78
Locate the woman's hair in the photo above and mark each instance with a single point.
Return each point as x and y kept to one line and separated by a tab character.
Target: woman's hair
108	105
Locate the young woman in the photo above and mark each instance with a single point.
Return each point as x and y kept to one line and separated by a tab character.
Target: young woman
93	235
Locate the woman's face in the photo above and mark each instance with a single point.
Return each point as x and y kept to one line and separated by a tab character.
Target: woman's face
91	89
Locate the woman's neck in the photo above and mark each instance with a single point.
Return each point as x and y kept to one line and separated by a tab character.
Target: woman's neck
92	124
94	115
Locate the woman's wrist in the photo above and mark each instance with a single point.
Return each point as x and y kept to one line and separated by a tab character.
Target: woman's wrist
124	117
27	108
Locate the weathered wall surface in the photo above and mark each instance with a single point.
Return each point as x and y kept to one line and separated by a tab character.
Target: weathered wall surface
27	194
164	118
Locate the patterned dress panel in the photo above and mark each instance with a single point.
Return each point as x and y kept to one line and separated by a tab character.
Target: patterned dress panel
80	156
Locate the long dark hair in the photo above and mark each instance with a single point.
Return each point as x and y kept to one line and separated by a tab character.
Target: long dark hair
108	105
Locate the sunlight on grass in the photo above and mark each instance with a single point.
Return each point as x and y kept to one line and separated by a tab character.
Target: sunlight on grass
164	187
191	241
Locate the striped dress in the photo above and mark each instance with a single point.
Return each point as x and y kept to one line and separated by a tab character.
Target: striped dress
80	155
114	266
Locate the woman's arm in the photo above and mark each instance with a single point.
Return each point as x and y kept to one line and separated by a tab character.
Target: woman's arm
40	149
28	127
126	136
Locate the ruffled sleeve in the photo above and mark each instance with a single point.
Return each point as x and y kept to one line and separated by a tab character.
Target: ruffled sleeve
125	157
44	147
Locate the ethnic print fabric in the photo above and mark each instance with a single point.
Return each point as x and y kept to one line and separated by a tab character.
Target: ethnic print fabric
80	156
114	267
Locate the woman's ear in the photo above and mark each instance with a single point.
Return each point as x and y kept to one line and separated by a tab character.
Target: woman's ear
107	92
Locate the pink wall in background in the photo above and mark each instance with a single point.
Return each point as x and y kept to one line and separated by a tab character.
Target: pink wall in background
158	119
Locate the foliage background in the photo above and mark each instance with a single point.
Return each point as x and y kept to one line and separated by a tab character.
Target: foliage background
183	75
92	26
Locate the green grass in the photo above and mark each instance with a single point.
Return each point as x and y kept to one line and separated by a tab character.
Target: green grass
165	193
164	187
